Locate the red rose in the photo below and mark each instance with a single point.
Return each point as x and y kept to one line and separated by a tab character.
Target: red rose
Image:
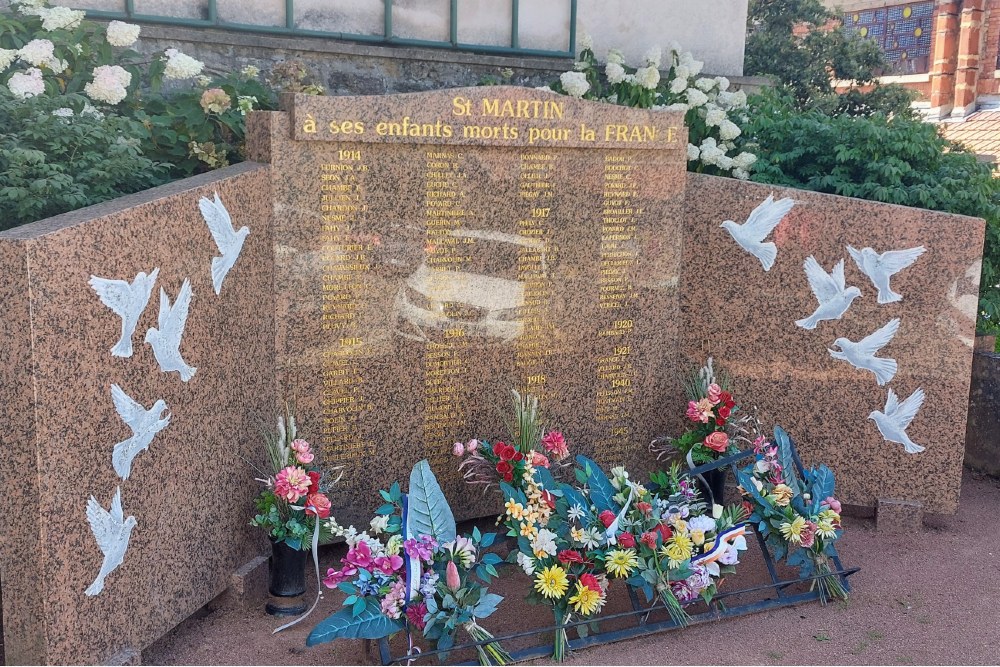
644	507
517	457
724	411
319	505
313	481
725	398
720	422
626	540
665	531
717	441
498	447
607	517
504	468
649	539
508	476
568	556
747	507
591	582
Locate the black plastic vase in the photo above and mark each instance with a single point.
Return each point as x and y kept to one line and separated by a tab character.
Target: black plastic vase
713	489
287	580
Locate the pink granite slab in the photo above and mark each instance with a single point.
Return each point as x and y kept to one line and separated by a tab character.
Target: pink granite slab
191	491
745	318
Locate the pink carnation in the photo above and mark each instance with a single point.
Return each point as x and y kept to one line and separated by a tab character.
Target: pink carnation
291	484
555	444
415	614
808	534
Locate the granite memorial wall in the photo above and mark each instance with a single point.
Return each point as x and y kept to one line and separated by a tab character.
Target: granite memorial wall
399	265
435	250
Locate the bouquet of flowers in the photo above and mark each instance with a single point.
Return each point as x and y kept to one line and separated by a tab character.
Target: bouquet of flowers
413	572
798	517
663	540
712	408
294	498
566	563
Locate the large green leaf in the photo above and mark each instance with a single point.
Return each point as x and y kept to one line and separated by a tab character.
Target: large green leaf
428	512
785	458
601	491
371	623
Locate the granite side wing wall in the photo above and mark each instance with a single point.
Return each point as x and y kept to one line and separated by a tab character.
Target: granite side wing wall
190	491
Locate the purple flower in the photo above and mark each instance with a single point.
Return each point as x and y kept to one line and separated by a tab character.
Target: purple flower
422	548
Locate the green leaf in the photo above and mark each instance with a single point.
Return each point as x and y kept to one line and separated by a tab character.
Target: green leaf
487	605
359	607
371	623
601	491
387	508
428	512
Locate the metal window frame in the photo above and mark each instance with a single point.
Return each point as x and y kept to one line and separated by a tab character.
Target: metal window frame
128	13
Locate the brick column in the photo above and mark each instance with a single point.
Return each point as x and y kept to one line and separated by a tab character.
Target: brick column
970	41
944	58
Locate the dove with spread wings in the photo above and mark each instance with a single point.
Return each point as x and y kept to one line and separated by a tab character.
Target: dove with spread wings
112	532
145	424
762	221
861	355
166	340
227	238
830	290
127	301
892	423
880	268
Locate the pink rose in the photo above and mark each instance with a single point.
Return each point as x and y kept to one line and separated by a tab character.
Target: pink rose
300	445
832	503
714	393
472	445
539	460
304	457
717	441
458	449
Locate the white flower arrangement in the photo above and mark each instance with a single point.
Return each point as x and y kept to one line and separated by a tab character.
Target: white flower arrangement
7	58
60	18
669	81
26	84
37	52
110	84
574	83
181	66
122	34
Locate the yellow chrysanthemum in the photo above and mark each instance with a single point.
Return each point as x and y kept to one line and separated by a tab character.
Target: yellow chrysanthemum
515	510
585	601
528	530
678	549
826	530
552	582
793	531
829	516
621	562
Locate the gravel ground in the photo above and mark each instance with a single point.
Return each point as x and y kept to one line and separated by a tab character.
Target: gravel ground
932	598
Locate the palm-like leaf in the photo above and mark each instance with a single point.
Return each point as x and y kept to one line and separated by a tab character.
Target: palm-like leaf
371	623
428	512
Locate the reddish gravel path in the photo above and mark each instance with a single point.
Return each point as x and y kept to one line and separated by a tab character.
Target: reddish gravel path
932	598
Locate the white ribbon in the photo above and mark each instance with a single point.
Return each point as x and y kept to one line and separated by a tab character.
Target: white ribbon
612	532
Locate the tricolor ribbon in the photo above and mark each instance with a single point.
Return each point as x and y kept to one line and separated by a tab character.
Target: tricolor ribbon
722	543
411	565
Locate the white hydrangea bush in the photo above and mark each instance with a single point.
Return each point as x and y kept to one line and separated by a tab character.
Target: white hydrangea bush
67	55
670	80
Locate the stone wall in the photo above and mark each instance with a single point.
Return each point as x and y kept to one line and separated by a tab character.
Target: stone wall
189	491
982	439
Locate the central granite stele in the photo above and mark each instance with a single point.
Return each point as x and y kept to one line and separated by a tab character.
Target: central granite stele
436	250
